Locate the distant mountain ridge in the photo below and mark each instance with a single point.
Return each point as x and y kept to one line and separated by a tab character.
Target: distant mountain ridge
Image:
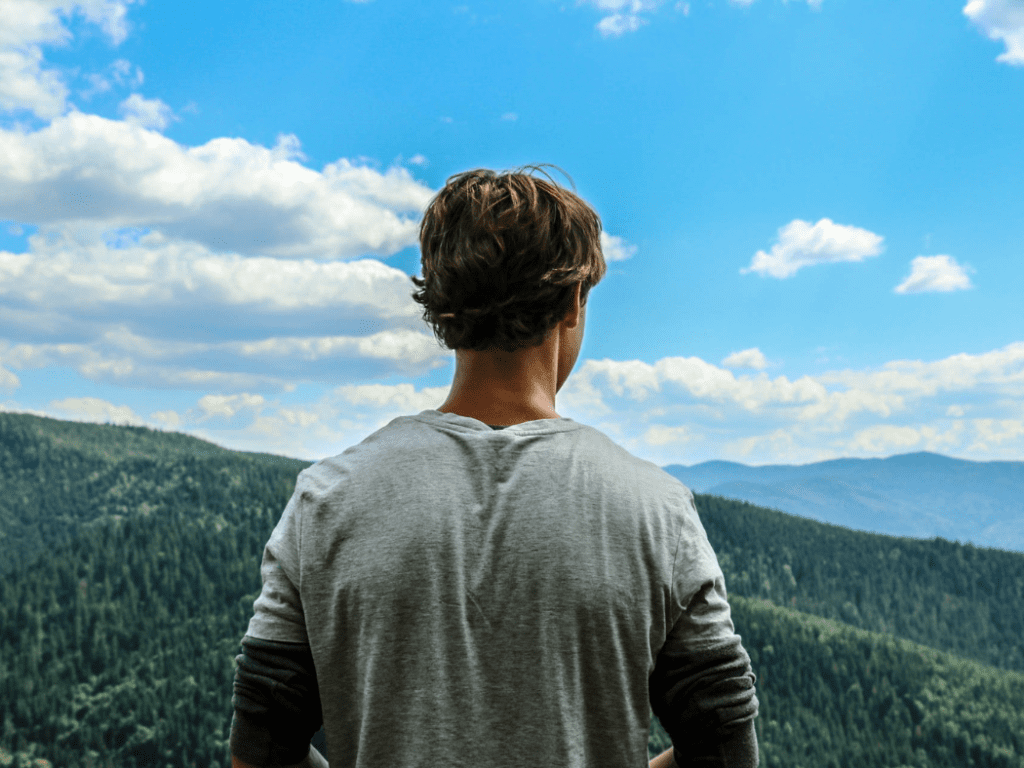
921	495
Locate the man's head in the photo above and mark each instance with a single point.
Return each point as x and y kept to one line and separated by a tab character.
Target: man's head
502	255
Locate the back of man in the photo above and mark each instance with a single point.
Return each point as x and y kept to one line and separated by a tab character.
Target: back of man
457	592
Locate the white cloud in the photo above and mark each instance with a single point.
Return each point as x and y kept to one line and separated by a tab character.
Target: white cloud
120	71
935	273
418	160
619	24
1000	20
166	419
400	347
659	434
8	380
813	4
884	438
400	396
510	117
158	365
990	433
85	278
325	427
999	371
887	439
27	26
614	248
146	113
228	405
625	15
747	358
676	410
673	378
227	194
94	409
121	357
755	418
802	244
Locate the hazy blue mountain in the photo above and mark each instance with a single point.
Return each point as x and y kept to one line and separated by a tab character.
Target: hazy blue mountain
922	495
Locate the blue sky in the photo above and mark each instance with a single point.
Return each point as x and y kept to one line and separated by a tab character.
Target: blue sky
812	213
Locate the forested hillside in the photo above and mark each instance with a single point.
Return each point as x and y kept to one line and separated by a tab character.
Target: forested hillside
118	637
57	475
955	597
832	695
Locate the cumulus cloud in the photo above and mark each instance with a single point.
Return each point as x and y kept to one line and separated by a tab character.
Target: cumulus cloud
325	427
814	4
146	113
227	194
624	15
120	357
747	358
120	72
685	407
676	410
935	273
8	381
102	361
614	248
66	284
1000	20
991	433
93	409
228	405
27	26
802	244
752	417
804	399
888	439
1000	371
166	419
140	311
619	24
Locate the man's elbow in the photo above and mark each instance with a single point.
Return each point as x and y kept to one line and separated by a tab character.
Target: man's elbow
310	761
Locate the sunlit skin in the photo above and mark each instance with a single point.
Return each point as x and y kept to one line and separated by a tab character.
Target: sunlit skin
503	388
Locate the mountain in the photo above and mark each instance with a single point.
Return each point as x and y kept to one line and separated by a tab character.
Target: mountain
921	495
132	563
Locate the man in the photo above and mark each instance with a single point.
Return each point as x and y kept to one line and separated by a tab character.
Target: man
488	582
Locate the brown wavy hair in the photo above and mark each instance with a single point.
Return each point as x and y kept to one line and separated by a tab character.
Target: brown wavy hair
501	255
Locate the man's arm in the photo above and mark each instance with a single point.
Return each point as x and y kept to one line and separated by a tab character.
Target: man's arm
664	760
277	706
313	760
737	748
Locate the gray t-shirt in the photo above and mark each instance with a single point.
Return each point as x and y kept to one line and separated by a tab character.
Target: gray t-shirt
513	597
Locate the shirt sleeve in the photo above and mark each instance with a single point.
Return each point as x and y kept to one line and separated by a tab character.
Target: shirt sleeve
276	696
276	703
277	612
702	688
